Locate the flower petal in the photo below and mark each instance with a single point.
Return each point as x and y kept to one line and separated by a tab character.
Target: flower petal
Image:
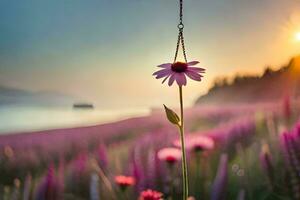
166	78
172	79
197	69
165	65
180	79
193	75
192	63
162	73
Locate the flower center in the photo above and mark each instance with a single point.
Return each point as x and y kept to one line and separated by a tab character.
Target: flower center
171	159
198	148
179	67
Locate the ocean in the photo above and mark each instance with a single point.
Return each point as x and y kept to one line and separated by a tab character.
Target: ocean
15	119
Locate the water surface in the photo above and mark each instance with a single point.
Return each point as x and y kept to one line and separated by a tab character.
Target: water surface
30	118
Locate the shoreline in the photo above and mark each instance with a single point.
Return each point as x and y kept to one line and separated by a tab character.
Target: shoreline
34	119
69	128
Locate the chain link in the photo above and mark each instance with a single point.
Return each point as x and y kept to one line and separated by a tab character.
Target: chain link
177	47
183	46
180	39
180	11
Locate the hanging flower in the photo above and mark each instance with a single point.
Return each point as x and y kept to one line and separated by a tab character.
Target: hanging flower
150	195
169	155
178	71
124	181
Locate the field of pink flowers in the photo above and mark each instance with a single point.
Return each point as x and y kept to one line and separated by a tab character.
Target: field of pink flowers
234	152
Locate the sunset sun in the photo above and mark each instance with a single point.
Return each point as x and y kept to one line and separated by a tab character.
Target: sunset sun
297	36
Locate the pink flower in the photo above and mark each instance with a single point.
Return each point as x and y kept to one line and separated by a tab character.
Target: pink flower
124	181
197	143
177	71
150	195
169	155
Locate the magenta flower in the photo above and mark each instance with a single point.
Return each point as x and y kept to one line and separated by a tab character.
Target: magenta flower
266	161
177	71
169	155
124	181
197	143
150	195
219	185
201	143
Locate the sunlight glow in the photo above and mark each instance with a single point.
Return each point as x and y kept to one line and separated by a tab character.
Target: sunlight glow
297	36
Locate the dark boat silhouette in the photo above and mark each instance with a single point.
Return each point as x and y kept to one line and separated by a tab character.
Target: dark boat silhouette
83	106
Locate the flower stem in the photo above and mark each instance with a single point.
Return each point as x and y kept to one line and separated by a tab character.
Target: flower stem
184	163
172	174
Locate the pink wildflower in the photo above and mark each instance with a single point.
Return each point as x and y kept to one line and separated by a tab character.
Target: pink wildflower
178	71
150	195
124	181
170	155
197	143
266	161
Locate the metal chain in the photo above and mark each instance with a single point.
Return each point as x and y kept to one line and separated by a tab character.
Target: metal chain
180	12
183	46
177	47
180	38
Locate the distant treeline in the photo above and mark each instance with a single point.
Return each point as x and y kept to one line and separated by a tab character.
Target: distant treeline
270	86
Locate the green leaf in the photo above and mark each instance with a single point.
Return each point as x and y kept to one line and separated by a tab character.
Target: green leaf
172	116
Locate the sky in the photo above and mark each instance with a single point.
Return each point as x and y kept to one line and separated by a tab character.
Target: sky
104	51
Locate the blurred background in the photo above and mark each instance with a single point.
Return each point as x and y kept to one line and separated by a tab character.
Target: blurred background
79	105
